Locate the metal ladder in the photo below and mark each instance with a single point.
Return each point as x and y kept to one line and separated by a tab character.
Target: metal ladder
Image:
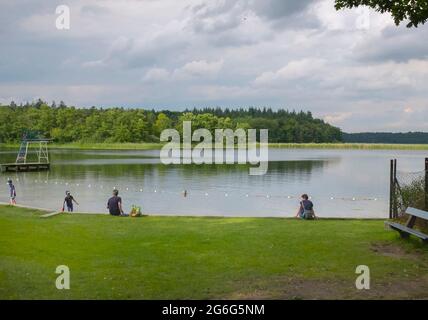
22	153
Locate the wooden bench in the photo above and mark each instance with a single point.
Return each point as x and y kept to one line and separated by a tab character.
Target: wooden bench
407	230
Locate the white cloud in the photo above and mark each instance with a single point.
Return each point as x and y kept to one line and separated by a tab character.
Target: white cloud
156	75
294	70
199	68
408	110
337	118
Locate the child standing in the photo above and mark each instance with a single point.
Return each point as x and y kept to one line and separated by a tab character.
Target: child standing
69	202
12	192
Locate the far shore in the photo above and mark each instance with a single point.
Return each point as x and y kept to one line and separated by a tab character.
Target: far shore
157	146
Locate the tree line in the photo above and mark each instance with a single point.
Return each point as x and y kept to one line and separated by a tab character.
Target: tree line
387	137
67	124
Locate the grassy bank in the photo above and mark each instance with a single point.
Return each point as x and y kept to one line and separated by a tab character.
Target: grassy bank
97	146
154	146
199	258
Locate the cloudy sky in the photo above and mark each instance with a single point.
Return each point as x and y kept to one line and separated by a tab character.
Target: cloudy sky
353	68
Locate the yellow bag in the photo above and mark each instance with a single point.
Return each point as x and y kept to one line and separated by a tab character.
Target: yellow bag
135	212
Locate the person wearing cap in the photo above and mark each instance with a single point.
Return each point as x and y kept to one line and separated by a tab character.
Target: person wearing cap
12	192
69	201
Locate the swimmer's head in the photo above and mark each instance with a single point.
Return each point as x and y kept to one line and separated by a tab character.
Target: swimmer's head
67	193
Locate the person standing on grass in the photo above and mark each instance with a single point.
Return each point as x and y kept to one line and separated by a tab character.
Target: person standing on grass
69	199
114	204
306	208
12	192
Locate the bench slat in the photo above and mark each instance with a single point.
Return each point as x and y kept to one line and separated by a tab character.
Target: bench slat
400	227
405	229
417	213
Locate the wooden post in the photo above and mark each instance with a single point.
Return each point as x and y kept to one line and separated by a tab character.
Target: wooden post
391	187
395	189
426	184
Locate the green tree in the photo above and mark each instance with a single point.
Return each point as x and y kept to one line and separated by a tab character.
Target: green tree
415	11
162	122
69	124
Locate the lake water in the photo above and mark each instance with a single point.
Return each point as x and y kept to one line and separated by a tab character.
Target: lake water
342	183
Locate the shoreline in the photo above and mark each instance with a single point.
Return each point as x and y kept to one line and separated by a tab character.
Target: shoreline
157	146
51	213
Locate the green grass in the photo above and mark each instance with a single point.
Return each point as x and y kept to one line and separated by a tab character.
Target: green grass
199	258
154	146
96	146
109	146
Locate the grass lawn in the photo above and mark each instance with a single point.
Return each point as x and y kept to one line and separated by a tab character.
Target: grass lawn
204	258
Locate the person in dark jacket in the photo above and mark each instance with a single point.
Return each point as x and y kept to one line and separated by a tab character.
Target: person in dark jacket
306	208
114	204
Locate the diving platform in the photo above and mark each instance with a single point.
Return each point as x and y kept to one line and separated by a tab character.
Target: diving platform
20	167
22	164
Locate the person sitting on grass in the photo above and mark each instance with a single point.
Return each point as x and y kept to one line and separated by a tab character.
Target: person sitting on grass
12	192
306	209
69	202
114	204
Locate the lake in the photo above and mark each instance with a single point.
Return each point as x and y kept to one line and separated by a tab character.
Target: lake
342	183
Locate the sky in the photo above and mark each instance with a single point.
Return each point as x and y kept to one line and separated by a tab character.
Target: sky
353	68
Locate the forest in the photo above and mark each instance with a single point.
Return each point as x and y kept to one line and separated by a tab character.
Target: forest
387	137
65	124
